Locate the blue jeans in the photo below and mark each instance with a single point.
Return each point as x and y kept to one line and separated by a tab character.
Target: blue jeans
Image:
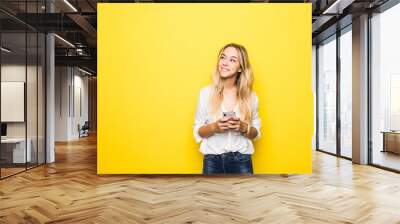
230	162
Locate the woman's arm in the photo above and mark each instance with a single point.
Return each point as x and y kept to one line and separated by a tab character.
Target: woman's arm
219	126
242	127
252	133
207	130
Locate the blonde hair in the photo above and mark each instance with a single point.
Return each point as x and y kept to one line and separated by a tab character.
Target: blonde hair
244	84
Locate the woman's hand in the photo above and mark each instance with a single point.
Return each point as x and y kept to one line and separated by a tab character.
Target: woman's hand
225	124
221	125
237	125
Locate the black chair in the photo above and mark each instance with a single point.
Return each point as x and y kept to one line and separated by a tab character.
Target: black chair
84	130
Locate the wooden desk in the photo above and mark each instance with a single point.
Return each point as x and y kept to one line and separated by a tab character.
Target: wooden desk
15	148
391	141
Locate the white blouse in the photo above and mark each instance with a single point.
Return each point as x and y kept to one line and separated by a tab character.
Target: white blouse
230	141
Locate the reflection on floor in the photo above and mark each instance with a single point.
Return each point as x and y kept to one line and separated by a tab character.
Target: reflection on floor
346	152
10	169
386	159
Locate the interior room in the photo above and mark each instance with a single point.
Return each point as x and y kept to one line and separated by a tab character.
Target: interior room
50	128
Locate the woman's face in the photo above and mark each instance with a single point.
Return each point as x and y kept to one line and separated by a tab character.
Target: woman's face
229	64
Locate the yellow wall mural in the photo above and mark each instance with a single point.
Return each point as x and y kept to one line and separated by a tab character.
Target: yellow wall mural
153	59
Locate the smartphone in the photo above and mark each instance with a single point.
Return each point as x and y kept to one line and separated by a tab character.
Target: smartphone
229	114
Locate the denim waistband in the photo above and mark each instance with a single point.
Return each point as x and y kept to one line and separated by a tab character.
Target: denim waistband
227	154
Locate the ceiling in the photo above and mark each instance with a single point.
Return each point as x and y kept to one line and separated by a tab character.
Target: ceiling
76	22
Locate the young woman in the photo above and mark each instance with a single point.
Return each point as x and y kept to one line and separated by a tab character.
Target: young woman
226	119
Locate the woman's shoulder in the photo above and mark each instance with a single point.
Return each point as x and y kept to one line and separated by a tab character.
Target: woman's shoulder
254	97
205	91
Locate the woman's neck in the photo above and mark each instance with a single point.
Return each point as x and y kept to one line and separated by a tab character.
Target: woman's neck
230	84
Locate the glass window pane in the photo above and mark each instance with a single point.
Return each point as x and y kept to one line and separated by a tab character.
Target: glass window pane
14	150
386	88
346	94
41	98
32	95
22	88
327	96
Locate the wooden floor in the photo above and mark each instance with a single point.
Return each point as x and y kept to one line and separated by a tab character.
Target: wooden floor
69	191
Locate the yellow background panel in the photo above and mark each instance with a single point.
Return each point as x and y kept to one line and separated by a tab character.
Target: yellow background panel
153	59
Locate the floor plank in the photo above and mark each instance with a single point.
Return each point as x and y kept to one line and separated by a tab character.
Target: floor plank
70	191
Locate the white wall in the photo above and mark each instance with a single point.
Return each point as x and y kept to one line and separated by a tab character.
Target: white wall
80	84
62	81
12	73
71	94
